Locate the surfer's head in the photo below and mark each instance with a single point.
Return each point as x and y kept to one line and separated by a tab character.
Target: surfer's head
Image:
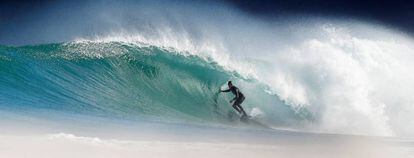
229	84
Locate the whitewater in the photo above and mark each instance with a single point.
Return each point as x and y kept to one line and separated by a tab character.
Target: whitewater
150	83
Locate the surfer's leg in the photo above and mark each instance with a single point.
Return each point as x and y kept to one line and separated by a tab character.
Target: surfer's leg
236	107
238	104
242	110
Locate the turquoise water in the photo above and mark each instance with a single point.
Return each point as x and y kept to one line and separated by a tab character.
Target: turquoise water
124	81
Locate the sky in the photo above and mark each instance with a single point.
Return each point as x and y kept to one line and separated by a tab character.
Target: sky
18	18
397	13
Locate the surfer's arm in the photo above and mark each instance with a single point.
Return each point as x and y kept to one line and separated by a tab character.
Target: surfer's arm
227	90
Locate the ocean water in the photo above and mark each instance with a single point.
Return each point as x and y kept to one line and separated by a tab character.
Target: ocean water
121	81
124	78
118	98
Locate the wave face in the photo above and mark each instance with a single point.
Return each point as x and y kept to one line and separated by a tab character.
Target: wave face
118	80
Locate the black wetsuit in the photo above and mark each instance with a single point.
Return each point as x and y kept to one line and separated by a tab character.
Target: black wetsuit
238	99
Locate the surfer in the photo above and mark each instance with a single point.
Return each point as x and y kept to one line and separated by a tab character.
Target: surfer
238	99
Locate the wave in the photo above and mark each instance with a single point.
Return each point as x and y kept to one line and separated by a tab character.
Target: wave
120	80
342	77
345	77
